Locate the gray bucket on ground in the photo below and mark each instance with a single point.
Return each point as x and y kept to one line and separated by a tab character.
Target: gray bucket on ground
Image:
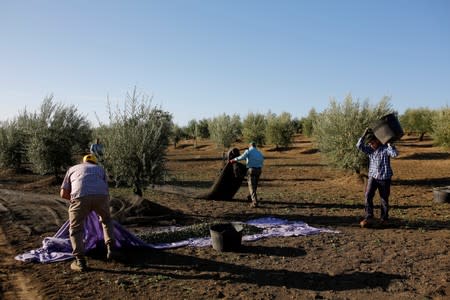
387	129
226	236
441	194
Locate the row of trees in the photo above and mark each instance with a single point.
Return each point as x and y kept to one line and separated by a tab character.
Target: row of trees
137	135
224	130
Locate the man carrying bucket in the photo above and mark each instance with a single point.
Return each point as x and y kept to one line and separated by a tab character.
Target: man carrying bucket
379	176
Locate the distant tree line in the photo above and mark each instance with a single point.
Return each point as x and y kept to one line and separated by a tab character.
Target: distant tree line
138	134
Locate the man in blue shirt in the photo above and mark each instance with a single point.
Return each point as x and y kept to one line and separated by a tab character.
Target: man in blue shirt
97	150
255	161
379	176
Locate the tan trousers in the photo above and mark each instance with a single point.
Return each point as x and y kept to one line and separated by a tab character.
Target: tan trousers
252	180
78	210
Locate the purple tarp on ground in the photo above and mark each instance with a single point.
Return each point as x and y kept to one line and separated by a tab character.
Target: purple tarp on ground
58	247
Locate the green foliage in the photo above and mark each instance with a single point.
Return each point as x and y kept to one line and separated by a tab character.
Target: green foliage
224	130
338	127
177	134
307	123
203	129
253	128
136	142
441	127
192	129
297	124
280	130
12	145
56	134
418	120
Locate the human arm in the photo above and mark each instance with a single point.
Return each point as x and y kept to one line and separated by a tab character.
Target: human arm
391	150
64	193
360	145
242	157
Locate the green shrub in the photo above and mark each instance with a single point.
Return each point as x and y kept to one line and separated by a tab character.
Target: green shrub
56	135
418	120
224	130
280	130
12	145
441	127
337	129
308	123
136	142
253	128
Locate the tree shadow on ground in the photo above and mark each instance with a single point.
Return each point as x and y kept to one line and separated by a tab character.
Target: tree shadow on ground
179	267
329	205
298	165
200	159
426	156
426	182
417	145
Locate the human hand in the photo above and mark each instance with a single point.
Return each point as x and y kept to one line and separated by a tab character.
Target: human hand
231	161
366	131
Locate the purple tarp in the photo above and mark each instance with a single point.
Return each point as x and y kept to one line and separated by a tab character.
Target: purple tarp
58	247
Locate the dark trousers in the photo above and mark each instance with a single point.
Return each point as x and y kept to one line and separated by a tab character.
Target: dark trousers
253	179
384	189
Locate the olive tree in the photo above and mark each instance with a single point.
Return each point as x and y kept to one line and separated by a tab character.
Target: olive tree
203	129
418	120
57	133
339	126
224	129
280	130
441	127
177	134
12	145
254	127
192	131
136	142
307	123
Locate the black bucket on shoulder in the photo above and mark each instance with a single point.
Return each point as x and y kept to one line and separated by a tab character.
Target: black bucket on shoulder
226	236
387	129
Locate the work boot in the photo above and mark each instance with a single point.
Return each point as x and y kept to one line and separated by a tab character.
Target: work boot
112	252
79	265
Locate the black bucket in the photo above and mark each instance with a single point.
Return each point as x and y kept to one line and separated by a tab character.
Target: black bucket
387	129
226	236
441	194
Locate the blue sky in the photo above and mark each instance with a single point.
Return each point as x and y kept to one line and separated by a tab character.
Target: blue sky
199	59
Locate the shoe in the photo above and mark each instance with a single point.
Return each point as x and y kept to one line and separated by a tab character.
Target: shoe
253	205
79	265
365	223
384	223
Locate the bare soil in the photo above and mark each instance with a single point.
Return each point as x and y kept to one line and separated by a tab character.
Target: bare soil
408	259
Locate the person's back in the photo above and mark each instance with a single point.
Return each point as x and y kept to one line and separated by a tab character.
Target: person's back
97	150
255	158
86	179
86	186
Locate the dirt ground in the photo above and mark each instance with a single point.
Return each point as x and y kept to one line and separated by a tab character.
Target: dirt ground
409	259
